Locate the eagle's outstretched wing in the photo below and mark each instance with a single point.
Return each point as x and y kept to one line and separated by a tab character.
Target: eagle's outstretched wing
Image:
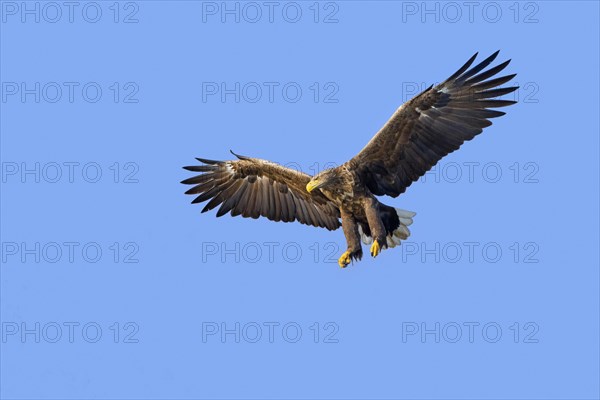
251	187
431	125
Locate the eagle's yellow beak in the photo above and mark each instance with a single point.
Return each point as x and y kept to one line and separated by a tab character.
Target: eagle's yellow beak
310	186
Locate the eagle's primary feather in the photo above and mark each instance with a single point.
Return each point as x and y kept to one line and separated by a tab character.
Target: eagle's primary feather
419	134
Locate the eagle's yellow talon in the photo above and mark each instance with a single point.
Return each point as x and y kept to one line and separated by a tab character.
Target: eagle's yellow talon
344	260
375	248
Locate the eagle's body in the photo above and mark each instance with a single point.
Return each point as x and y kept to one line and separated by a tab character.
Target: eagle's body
421	132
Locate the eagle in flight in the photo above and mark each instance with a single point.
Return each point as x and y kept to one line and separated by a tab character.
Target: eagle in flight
422	131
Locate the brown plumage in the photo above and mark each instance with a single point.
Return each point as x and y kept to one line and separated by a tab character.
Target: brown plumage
251	188
421	132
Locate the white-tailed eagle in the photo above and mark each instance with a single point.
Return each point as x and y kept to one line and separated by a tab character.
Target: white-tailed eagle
422	131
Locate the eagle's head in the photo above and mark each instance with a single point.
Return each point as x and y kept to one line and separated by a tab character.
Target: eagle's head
325	179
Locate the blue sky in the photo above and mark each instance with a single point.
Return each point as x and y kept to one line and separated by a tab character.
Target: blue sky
114	286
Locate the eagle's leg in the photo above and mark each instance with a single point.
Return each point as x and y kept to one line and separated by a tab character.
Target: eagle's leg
350	228
375	225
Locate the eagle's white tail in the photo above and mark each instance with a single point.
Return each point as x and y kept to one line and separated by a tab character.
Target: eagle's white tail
401	233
